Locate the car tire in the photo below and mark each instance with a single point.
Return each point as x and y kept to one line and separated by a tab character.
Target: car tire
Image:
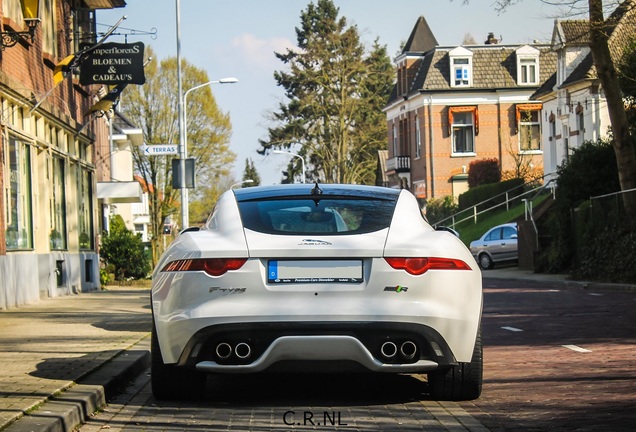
462	382
170	382
485	261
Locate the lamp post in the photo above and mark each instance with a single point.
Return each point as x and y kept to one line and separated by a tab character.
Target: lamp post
182	164
230	80
302	160
185	211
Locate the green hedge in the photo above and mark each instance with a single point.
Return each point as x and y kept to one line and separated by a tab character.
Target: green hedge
491	194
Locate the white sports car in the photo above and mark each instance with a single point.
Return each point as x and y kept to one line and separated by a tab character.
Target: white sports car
305	277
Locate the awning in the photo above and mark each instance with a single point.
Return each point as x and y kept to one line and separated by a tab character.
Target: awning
119	192
457	109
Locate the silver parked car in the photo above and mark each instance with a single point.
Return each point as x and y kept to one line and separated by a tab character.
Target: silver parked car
498	244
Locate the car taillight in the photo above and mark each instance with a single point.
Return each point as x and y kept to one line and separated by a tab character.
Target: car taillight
212	266
418	266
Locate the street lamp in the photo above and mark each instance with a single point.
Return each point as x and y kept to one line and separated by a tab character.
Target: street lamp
185	211
230	80
181	119
302	160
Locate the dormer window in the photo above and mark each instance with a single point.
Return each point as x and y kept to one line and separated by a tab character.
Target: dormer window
461	66
462	73
527	66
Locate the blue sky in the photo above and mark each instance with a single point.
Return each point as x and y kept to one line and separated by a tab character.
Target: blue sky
238	38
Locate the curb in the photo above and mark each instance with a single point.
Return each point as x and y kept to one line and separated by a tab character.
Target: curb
568	283
71	408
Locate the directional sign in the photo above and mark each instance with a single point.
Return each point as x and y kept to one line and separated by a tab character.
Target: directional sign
160	149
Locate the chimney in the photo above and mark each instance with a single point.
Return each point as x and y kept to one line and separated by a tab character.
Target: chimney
491	39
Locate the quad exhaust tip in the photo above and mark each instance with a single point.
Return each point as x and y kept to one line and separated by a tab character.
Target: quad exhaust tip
224	350
408	349
242	350
389	349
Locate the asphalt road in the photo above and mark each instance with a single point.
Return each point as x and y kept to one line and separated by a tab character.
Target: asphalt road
557	358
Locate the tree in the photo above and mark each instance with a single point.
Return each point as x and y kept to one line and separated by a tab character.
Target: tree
469	39
335	98
578	179
606	72
153	107
627	82
124	251
250	173
600	30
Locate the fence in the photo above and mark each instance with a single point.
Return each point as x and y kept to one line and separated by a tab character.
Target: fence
594	216
510	198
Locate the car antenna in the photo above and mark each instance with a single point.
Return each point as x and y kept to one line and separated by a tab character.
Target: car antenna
316	192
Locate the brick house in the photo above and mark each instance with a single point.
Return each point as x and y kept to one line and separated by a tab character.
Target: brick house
453	105
574	106
49	217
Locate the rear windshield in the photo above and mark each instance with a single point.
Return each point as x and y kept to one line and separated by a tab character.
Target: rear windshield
299	216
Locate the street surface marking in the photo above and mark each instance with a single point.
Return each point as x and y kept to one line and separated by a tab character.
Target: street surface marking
576	348
596	294
512	329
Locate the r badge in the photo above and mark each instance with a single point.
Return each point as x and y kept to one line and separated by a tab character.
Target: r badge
398	288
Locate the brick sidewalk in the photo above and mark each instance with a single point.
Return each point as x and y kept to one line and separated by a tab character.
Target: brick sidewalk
46	347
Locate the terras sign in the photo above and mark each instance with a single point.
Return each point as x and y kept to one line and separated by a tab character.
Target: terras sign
160	149
114	63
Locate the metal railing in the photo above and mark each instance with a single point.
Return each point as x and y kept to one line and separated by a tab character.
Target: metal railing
507	202
616	199
529	213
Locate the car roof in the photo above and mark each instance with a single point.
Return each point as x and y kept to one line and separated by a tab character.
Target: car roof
299	190
510	224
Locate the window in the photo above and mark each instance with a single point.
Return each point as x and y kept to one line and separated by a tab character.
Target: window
19	232
418	138
13	11
552	121
395	141
494	235
580	120
509	233
529	127
461	67
85	208
49	26
528	71
527	65
57	235
463	128
461	72
331	216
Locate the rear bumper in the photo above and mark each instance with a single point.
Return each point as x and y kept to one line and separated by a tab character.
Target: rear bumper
372	346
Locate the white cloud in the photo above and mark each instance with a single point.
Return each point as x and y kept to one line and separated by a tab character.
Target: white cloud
257	52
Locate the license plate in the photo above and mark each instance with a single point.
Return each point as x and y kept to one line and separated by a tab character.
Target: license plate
314	271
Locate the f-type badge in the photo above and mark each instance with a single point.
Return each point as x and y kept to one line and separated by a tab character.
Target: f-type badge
397	288
313	242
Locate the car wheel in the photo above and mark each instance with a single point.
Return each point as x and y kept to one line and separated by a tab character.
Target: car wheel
461	382
170	382
485	261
